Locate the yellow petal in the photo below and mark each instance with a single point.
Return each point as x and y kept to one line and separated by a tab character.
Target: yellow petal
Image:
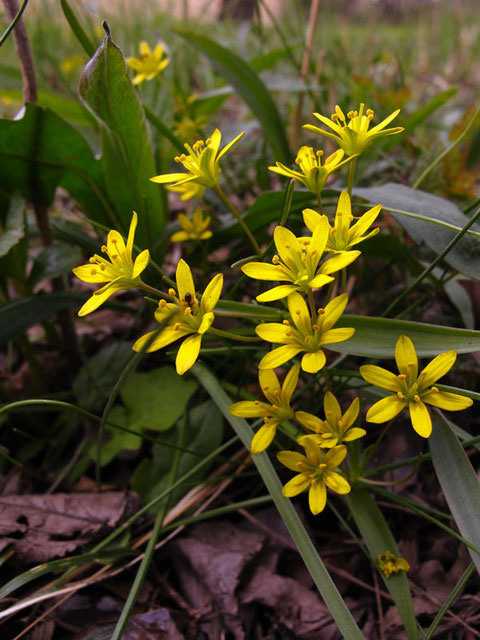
337	335
279	356
334	310
313	362
84	272
273	332
291	459
168	177
295	486
277	293
311	219
206	323
446	400
95	301
406	358
287	244
309	421
264	436
212	293
141	263
437	368
131	233
164	338
144	49
263	271
317	497
249	409
184	280
336	456
380	377
290	382
188	353
339	261
351	414
337	483
299	313
230	145
421	421
269	384
330	405
354	434
385	409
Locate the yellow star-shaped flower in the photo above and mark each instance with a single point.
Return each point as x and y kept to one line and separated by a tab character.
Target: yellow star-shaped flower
194	228
120	272
202	162
336	428
306	335
298	262
412	389
312	173
341	236
354	136
149	64
274	413
185	316
315	472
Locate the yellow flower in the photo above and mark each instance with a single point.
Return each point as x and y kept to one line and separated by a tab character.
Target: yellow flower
354	136
315	472
189	127
149	64
120	272
188	190
389	563
312	174
308	335
335	429
192	229
184	316
297	262
274	413
411	389
341	236
202	163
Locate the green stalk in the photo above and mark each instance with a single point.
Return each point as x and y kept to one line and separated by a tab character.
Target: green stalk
226	201
12	24
351	173
232	336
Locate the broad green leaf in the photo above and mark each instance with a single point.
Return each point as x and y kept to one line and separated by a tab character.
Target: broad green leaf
379	539
464	256
127	155
40	152
53	261
63	107
427	109
155	400
458	480
119	440
249	87
99	374
18	316
461	300
13	228
203	435
267	60
324	583
376	337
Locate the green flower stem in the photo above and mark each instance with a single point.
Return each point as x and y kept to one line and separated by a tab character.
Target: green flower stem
344	280
326	377
156	292
232	336
226	201
351	173
12	24
150	550
374	448
319	202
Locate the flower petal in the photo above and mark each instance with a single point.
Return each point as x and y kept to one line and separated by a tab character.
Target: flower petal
131	233
317	497
299	313
230	145
95	301
269	384
141	263
277	293
339	261
335	456
188	353
334	310
311	219
437	368
184	280
273	332
291	459
89	273
351	414
264	436
296	485
313	362
337	483
380	377
406	358
446	400
331	406
290	383
385	409
354	434
168	177
164	338
421	421
337	335
249	409
279	356
264	271
212	293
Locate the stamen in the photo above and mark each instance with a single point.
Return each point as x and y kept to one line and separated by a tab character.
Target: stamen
416	398
93	272
435	389
102	267
400	395
401	376
176	326
411	364
256	402
275	259
171	292
322	465
162	303
104	249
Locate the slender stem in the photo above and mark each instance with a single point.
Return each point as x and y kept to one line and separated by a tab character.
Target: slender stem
351	173
232	336
319	202
344	280
226	201
326	377
311	302
374	448
12	24
156	292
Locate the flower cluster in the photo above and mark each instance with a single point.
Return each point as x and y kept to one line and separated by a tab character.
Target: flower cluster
149	64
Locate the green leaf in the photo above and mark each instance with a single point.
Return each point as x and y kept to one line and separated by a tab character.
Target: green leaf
77	29
402	200
99	374
376	337
18	316
67	109
127	155
458	481
313	562
427	109
155	400
203	435
13	228
40	152
53	261
249	87
119	440
379	539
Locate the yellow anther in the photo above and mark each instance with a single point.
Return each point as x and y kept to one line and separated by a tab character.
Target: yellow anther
104	249
266	420
355	114
102	267
400	395
416	398
114	240
287	245
401	376
370	112
316	327
92	260
177	159
320	153
93	272
320	311
298	312
314	482
114	257
299	465
275	259
275	407
322	465
256	402
351	114
161	304
307	340
176	326
288	333
207	141
328	414
171	292
188	311
276	393
435	389
334	117
411	364
327	434
286	323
